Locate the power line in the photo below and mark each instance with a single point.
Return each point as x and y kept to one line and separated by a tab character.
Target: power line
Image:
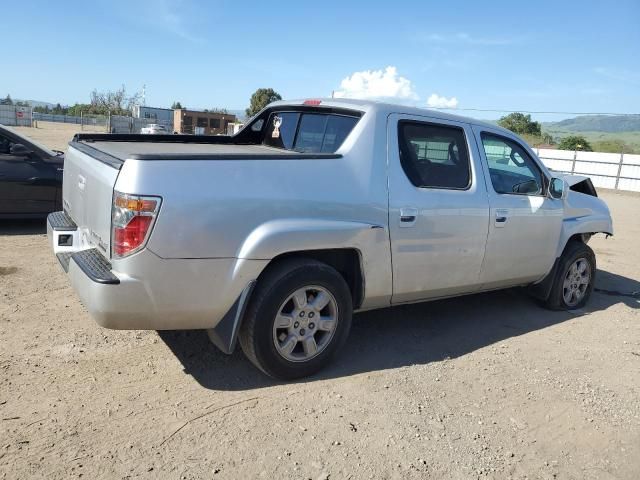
530	111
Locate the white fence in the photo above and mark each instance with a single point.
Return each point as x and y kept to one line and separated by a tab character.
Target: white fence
619	171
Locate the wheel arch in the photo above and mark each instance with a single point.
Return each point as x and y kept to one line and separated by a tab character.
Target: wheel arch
346	261
359	251
581	230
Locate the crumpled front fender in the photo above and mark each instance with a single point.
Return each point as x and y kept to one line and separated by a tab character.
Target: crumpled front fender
583	214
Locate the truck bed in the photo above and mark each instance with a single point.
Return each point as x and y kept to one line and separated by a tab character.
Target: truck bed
115	149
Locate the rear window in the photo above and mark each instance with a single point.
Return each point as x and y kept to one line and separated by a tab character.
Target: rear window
308	132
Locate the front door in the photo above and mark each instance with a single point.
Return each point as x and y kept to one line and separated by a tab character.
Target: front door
438	208
525	222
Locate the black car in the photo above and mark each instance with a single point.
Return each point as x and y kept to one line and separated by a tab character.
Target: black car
30	177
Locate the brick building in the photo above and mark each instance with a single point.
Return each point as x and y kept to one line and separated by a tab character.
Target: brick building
201	123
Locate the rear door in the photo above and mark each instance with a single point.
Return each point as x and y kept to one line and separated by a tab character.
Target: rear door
525	223
438	208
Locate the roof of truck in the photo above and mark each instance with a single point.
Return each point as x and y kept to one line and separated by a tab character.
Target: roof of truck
388	108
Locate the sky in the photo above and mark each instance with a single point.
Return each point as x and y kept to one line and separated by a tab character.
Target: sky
567	56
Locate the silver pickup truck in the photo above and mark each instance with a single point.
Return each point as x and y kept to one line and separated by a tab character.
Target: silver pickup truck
316	209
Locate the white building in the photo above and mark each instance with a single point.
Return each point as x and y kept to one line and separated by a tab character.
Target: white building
163	116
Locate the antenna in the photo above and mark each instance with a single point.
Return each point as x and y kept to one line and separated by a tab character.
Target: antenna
144	94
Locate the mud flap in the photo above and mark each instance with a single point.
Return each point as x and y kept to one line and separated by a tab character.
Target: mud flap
542	289
225	334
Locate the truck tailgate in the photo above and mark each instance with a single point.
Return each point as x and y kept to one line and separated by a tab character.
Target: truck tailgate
87	194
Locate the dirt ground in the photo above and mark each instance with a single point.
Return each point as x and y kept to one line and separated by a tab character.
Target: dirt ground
55	135
488	386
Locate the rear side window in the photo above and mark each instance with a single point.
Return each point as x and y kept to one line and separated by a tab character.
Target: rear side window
281	129
434	156
308	132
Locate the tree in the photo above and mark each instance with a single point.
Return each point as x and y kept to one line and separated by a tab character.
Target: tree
176	106
117	102
575	142
547	138
521	124
222	111
7	100
78	108
260	99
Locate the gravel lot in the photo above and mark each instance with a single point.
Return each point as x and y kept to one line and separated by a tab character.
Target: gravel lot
488	386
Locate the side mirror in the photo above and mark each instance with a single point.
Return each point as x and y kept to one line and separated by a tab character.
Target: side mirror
557	188
19	150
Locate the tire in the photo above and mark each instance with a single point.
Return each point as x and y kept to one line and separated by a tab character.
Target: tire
575	253
280	293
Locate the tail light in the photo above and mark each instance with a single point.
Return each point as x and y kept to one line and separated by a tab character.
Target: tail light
132	218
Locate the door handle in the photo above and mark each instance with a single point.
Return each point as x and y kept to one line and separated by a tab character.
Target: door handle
502	216
408	217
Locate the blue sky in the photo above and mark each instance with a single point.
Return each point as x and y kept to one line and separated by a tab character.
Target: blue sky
575	56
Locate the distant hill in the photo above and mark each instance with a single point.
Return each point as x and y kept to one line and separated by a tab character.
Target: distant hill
596	123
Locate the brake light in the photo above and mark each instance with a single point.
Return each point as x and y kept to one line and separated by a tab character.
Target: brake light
312	102
132	218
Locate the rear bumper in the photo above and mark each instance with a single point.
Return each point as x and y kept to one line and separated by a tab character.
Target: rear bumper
146	292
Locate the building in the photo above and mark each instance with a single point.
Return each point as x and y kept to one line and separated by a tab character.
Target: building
234	127
201	123
163	116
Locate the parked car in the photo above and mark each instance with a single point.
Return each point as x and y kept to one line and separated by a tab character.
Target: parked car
154	129
314	210
30	177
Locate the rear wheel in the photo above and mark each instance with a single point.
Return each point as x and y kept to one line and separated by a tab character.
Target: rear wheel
297	319
575	278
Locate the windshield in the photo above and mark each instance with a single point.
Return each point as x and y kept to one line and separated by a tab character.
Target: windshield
29	141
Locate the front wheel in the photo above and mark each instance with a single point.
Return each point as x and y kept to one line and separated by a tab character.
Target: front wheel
297	319
575	278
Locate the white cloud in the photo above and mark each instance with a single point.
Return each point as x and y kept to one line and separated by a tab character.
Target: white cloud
436	101
377	84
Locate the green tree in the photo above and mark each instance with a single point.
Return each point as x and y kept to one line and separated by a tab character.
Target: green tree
547	138
7	100
521	124
260	99
75	110
176	106
575	142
